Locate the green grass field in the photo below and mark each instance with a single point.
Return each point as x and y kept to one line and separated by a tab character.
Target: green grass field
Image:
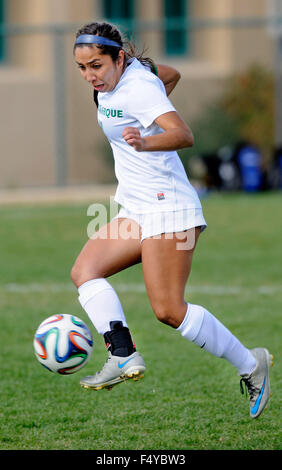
188	399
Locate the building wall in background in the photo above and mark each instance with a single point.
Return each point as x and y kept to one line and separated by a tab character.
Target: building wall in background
206	57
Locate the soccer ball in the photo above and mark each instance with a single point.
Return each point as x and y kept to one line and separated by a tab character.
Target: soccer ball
63	344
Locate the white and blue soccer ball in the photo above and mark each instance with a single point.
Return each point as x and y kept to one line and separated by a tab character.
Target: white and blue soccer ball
63	344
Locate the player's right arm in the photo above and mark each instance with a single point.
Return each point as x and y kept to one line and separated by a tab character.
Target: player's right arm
169	77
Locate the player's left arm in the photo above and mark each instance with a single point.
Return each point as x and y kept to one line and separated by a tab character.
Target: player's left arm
169	76
177	135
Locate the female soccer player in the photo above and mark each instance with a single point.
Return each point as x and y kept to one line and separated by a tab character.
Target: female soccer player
159	208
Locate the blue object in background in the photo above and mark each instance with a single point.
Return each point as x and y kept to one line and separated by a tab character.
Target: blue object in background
249	160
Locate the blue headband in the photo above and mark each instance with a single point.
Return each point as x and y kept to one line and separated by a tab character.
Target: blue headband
93	39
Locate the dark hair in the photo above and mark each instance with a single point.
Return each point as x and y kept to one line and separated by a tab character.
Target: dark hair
105	30
110	31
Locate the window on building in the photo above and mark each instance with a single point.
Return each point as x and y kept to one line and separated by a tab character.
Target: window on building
2	38
120	12
175	36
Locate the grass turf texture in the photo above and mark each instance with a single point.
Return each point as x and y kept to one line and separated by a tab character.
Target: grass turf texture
188	399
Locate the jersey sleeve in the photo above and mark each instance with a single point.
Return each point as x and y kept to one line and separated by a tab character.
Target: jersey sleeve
147	100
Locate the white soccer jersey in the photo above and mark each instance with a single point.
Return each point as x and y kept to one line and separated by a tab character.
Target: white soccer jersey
147	181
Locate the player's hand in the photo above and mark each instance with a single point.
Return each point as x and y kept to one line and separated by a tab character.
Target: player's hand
133	137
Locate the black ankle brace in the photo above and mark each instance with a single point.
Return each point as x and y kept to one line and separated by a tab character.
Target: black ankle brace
118	340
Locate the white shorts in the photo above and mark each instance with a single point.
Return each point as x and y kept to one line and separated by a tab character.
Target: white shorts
154	224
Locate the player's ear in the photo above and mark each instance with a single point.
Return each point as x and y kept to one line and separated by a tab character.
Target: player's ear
120	59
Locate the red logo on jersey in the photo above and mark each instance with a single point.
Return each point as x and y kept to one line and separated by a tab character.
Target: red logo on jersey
160	196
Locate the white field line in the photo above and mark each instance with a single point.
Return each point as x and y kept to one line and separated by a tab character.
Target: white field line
136	288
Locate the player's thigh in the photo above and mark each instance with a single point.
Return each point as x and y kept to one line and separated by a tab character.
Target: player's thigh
115	247
166	263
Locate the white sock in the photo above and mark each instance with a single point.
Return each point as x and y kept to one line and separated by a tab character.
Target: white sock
202	328
101	304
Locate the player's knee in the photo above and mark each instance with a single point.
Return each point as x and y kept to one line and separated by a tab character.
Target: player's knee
75	275
166	313
79	275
